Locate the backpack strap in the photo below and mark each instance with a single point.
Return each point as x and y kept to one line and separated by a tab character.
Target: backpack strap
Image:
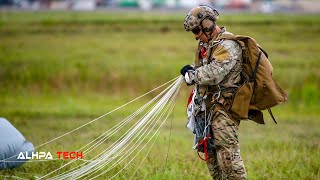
227	36
256	67
270	112
197	56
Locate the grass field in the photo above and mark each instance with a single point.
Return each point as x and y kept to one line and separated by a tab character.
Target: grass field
59	70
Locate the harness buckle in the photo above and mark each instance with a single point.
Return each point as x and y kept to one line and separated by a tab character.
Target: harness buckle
217	95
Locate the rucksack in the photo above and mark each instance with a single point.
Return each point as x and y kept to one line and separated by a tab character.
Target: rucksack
259	90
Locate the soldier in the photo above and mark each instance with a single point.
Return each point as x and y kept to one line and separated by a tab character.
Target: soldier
215	75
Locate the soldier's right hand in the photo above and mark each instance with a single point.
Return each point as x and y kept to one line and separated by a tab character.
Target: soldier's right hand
185	69
188	73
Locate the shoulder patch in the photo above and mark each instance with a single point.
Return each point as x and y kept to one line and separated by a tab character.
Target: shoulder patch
220	53
227	50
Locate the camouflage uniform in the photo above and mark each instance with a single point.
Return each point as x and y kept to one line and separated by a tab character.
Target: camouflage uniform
218	80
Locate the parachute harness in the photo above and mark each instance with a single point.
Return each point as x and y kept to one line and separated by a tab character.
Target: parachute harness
204	137
205	140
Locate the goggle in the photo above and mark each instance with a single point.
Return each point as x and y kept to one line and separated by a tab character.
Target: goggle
195	30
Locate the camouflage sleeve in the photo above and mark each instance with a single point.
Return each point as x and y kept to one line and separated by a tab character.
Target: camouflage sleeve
223	60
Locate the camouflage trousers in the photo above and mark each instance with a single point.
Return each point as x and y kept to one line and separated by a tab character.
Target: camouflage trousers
225	161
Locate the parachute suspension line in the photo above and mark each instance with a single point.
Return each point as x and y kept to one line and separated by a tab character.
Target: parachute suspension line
143	158
169	108
165	164
118	160
172	108
120	138
67	133
114	129
124	148
128	142
130	151
135	114
141	109
104	114
128	119
142	134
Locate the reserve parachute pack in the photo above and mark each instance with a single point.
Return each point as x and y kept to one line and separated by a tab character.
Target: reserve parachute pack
259	91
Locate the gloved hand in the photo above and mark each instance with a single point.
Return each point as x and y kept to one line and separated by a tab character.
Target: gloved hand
185	69
188	72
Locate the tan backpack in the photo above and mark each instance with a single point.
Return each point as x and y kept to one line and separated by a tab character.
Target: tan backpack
259	91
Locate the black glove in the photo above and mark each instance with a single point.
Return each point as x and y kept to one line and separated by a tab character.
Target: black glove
188	73
185	69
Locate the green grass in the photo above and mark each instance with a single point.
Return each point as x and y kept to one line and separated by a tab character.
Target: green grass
59	70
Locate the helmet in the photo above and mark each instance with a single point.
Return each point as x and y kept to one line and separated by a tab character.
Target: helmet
203	17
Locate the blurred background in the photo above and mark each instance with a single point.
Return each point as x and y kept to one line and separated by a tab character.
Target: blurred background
66	62
266	6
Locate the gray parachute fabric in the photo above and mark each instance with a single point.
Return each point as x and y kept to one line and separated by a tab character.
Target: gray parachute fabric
12	142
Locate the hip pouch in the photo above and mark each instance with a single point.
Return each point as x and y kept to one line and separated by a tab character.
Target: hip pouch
241	101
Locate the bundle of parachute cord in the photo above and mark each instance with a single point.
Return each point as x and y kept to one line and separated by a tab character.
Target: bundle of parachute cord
147	123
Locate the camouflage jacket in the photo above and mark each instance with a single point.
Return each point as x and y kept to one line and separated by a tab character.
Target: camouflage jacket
222	66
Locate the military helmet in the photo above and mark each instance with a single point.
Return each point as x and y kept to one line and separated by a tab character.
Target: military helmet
197	15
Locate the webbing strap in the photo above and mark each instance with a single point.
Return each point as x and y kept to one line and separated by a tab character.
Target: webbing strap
205	148
270	112
256	67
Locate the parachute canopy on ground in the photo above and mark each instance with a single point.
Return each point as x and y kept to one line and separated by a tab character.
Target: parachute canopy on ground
12	142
